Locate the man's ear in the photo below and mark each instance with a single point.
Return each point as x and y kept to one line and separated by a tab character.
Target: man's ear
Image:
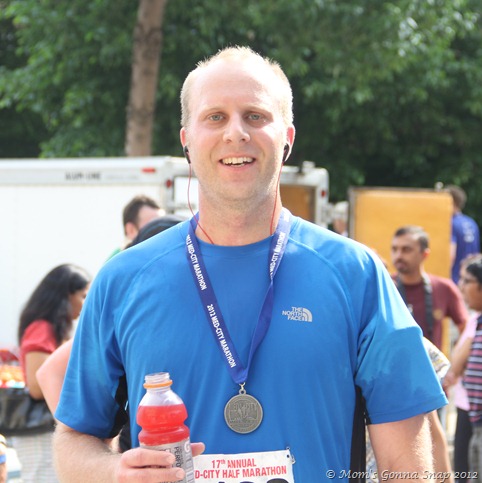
131	230
183	136
290	135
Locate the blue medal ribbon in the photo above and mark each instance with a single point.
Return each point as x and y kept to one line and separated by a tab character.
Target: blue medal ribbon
238	372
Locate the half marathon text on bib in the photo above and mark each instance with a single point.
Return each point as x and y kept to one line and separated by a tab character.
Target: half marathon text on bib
262	467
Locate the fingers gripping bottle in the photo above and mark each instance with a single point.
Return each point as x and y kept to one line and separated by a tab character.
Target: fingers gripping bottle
161	415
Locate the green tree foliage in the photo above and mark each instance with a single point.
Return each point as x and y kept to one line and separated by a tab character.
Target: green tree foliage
387	93
20	131
76	72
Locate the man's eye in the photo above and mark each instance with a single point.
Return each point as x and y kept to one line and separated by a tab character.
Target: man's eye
215	117
255	117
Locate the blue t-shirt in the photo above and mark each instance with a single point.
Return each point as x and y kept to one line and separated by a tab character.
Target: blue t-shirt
337	319
465	234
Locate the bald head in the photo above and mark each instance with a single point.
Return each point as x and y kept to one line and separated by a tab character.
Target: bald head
246	56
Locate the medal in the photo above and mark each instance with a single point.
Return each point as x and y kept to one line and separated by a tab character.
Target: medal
243	413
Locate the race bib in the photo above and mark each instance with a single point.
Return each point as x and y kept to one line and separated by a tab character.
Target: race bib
266	467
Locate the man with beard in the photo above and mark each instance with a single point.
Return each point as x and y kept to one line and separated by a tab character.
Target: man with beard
429	298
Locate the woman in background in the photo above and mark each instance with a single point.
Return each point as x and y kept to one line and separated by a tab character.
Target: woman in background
50	375
460	354
46	322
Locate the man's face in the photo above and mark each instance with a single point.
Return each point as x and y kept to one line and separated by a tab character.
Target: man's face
407	254
145	215
236	133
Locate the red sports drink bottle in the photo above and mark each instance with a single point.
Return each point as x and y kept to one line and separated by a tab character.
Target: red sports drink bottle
161	415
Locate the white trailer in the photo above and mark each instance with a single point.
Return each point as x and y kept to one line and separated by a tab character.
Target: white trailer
70	211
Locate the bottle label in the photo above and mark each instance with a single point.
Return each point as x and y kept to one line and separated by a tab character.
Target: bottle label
182	452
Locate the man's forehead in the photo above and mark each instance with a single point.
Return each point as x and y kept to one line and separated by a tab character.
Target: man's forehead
232	85
235	74
406	240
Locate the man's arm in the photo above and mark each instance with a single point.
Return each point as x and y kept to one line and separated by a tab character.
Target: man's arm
441	455
80	457
403	449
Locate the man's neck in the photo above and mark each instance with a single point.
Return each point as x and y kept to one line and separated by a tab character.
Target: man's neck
230	227
411	278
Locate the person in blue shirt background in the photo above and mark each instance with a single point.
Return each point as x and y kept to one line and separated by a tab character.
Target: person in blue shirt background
465	232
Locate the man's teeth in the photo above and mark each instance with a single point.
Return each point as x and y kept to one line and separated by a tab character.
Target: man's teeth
237	161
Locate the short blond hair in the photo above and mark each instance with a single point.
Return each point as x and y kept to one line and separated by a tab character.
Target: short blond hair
239	53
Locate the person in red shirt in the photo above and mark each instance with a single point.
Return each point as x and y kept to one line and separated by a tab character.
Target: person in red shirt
46	322
430	298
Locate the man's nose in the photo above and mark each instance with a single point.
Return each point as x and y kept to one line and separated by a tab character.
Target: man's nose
236	130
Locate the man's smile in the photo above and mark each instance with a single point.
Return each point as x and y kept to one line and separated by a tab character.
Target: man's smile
241	161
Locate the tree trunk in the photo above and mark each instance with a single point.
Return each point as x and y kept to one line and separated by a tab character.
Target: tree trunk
147	47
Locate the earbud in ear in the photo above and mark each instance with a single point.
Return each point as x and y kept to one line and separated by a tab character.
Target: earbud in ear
186	154
286	152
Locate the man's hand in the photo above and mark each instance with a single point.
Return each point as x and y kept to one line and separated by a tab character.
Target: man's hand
148	465
80	457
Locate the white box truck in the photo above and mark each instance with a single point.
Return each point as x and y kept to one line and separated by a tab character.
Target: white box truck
70	211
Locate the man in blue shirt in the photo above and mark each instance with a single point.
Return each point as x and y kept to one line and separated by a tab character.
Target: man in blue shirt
246	302
465	232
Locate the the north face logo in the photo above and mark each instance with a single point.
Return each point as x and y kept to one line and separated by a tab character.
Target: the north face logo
298	313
